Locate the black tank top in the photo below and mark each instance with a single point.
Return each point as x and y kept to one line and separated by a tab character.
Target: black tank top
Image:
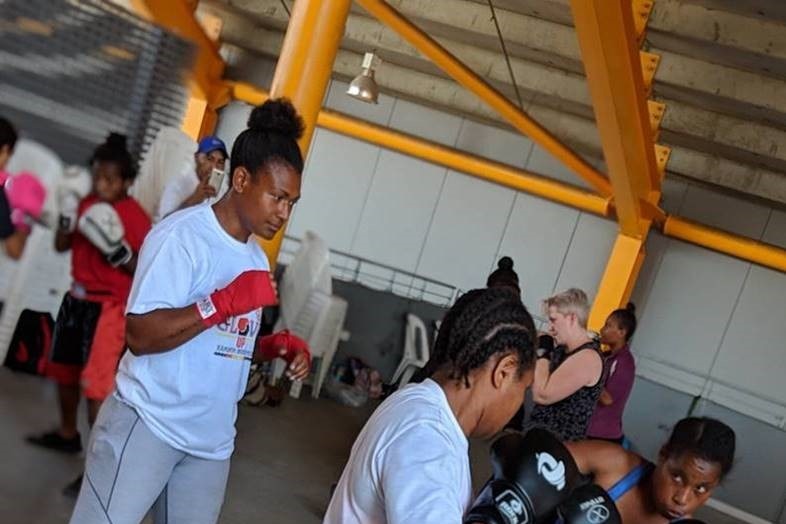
569	418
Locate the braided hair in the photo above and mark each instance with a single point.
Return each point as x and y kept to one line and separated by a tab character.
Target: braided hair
705	438
482	323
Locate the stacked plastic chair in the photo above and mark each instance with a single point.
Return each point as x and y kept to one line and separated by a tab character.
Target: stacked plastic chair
310	310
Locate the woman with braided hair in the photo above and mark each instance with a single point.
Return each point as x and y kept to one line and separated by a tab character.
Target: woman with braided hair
410	462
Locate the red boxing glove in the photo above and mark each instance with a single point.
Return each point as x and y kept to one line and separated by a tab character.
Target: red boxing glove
282	345
249	291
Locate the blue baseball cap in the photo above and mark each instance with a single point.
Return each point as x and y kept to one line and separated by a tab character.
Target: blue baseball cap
212	143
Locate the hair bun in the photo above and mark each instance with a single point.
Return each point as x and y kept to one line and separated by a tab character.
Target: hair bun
631	307
277	116
505	263
116	141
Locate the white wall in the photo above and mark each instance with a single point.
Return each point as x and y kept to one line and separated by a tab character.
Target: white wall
711	325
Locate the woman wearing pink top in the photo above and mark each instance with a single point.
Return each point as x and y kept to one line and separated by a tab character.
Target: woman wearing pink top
606	421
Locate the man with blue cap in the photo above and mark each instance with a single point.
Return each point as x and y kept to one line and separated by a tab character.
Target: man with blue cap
192	188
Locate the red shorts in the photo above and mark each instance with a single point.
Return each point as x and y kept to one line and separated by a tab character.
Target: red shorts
88	341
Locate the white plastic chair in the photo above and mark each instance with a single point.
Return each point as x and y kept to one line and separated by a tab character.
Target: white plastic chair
320	323
416	352
308	271
324	339
310	310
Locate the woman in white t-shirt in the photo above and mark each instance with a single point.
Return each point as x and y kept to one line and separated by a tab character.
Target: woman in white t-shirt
410	462
165	437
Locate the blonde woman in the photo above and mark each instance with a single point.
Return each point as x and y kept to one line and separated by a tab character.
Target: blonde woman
569	372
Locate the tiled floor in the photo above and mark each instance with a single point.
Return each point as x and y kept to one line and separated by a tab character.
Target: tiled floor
286	459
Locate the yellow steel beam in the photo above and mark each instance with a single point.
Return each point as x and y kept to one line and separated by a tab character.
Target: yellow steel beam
472	81
195	114
614	74
737	246
178	16
618	279
491	171
304	68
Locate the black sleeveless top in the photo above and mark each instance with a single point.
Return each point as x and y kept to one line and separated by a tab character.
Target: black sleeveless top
569	418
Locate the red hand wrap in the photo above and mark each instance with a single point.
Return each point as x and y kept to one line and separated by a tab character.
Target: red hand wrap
282	345
249	291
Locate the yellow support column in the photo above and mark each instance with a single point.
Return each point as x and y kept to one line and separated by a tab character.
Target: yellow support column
619	78
304	68
178	16
618	280
196	109
606	34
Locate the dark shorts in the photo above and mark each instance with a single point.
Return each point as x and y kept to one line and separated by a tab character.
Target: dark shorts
75	327
87	343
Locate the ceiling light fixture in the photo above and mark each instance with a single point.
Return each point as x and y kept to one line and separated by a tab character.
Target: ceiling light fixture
363	87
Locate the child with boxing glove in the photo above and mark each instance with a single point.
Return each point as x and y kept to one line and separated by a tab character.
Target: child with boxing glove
104	231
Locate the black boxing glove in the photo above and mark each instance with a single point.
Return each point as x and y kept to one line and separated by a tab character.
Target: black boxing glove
545	346
533	474
589	504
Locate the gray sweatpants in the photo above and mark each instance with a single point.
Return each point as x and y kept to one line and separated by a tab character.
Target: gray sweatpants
129	471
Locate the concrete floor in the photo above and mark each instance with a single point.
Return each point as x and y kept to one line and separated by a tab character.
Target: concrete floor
285	460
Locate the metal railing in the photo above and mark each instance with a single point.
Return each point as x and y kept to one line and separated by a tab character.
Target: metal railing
351	268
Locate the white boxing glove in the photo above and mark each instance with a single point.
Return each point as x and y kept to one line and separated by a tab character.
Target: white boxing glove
74	185
67	205
101	225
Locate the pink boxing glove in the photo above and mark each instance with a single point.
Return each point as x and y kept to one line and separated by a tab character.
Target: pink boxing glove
26	195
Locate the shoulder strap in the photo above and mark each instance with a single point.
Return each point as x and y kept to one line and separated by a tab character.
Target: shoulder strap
587	345
632	478
604	370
